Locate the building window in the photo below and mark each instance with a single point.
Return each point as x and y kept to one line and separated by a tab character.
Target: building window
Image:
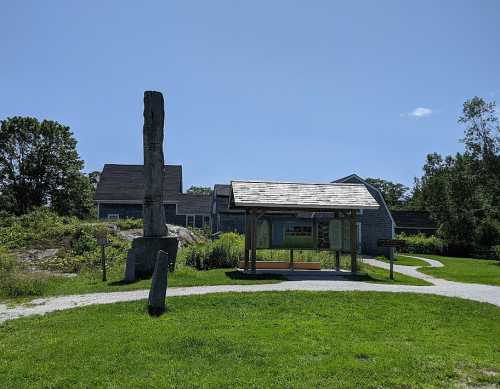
113	216
206	221
190	221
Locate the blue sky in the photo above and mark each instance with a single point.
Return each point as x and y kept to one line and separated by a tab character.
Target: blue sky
279	90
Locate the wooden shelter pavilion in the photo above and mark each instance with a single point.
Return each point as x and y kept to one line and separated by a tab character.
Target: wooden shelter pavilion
300	216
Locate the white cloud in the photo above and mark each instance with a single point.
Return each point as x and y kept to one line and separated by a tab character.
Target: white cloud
419	112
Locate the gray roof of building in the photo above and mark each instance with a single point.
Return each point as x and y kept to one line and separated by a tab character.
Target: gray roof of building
193	204
126	182
293	195
222	189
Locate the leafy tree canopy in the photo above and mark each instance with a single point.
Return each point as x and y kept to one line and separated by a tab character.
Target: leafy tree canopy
39	166
200	190
462	192
395	194
94	178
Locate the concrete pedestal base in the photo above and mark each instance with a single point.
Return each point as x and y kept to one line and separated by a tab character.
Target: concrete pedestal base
141	258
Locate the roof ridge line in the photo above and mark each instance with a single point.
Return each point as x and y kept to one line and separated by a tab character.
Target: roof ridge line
299	183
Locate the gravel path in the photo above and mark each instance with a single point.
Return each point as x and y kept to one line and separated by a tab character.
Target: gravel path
476	292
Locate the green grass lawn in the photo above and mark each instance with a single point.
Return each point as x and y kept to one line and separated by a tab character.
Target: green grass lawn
478	271
405	261
379	275
295	339
183	276
187	276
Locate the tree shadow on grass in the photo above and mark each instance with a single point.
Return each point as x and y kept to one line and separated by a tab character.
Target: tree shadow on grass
120	283
124	282
364	278
239	275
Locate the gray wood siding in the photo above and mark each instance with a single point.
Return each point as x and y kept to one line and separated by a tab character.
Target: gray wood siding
125	211
375	224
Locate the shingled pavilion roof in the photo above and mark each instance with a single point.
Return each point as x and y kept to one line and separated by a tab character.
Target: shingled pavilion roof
293	195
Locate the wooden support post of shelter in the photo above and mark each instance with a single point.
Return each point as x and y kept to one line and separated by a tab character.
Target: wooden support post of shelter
247	239
337	260
354	243
253	240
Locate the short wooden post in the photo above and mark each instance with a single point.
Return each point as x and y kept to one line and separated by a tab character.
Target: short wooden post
337	260
247	239
354	243
102	240
103	262
391	263
254	242
291	260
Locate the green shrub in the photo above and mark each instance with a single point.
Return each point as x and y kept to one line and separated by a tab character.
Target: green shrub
7	265
84	239
228	250
25	285
496	249
224	252
87	254
128	224
15	283
421	244
40	228
43	228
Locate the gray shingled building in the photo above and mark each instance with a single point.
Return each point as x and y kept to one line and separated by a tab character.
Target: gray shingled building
120	193
373	224
225	219
414	222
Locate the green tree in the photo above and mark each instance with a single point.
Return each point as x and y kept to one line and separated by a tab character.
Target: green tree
462	192
94	178
395	194
200	190
39	166
482	133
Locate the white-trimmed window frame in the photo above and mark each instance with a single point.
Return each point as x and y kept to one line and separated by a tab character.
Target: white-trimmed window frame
194	220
